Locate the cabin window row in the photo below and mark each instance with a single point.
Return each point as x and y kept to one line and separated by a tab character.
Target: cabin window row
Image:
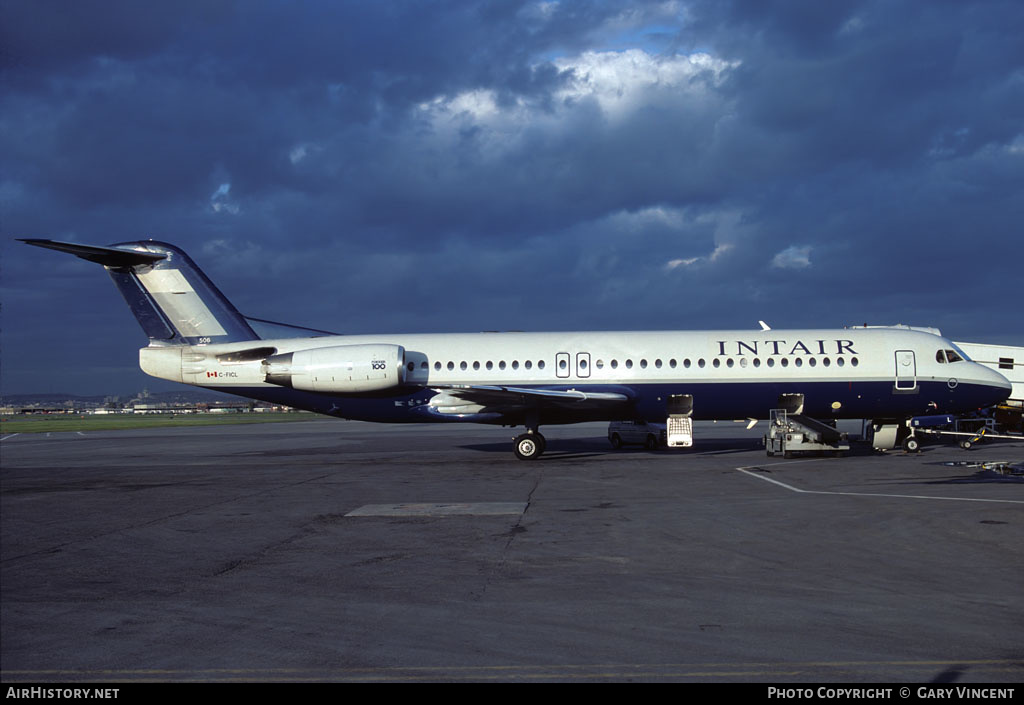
477	365
784	362
743	362
701	363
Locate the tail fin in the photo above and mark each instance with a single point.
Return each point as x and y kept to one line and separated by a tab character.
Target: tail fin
174	302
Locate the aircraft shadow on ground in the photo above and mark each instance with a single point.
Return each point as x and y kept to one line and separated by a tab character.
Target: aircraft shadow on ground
587	447
981	476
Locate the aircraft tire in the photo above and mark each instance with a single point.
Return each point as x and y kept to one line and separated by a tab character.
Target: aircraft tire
529	446
966	445
912	445
652	442
616	441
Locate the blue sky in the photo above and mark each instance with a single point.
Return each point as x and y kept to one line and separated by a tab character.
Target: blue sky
459	166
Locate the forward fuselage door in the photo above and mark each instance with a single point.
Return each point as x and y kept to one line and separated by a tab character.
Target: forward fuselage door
906	371
582	364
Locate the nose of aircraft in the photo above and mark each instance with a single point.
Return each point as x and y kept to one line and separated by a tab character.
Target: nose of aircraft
999	385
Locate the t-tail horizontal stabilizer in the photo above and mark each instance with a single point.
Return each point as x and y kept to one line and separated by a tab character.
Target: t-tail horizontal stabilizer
107	256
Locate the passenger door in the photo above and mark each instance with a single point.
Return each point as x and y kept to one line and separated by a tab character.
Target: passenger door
906	371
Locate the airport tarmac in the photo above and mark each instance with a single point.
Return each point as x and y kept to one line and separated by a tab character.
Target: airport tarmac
343	551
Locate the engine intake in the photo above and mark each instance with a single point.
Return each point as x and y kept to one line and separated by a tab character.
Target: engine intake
341	369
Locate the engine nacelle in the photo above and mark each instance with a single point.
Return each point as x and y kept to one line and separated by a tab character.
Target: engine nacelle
340	369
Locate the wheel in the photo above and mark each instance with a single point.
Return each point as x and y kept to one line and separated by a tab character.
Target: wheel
966	445
529	446
911	444
652	442
616	441
542	441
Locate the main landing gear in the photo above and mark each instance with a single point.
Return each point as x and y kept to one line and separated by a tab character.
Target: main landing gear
529	446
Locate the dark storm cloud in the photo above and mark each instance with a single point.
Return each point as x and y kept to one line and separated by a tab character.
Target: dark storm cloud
533	165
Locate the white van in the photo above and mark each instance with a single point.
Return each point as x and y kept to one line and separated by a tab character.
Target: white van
639	432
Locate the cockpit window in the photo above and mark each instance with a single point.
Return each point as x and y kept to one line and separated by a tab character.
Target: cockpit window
953	357
940	356
961	354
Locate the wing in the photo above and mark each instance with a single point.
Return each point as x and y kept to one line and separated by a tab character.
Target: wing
496	404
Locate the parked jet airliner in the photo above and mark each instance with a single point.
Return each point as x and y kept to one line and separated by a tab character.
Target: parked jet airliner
196	336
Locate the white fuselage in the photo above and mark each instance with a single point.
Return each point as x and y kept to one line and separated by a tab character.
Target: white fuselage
880	363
